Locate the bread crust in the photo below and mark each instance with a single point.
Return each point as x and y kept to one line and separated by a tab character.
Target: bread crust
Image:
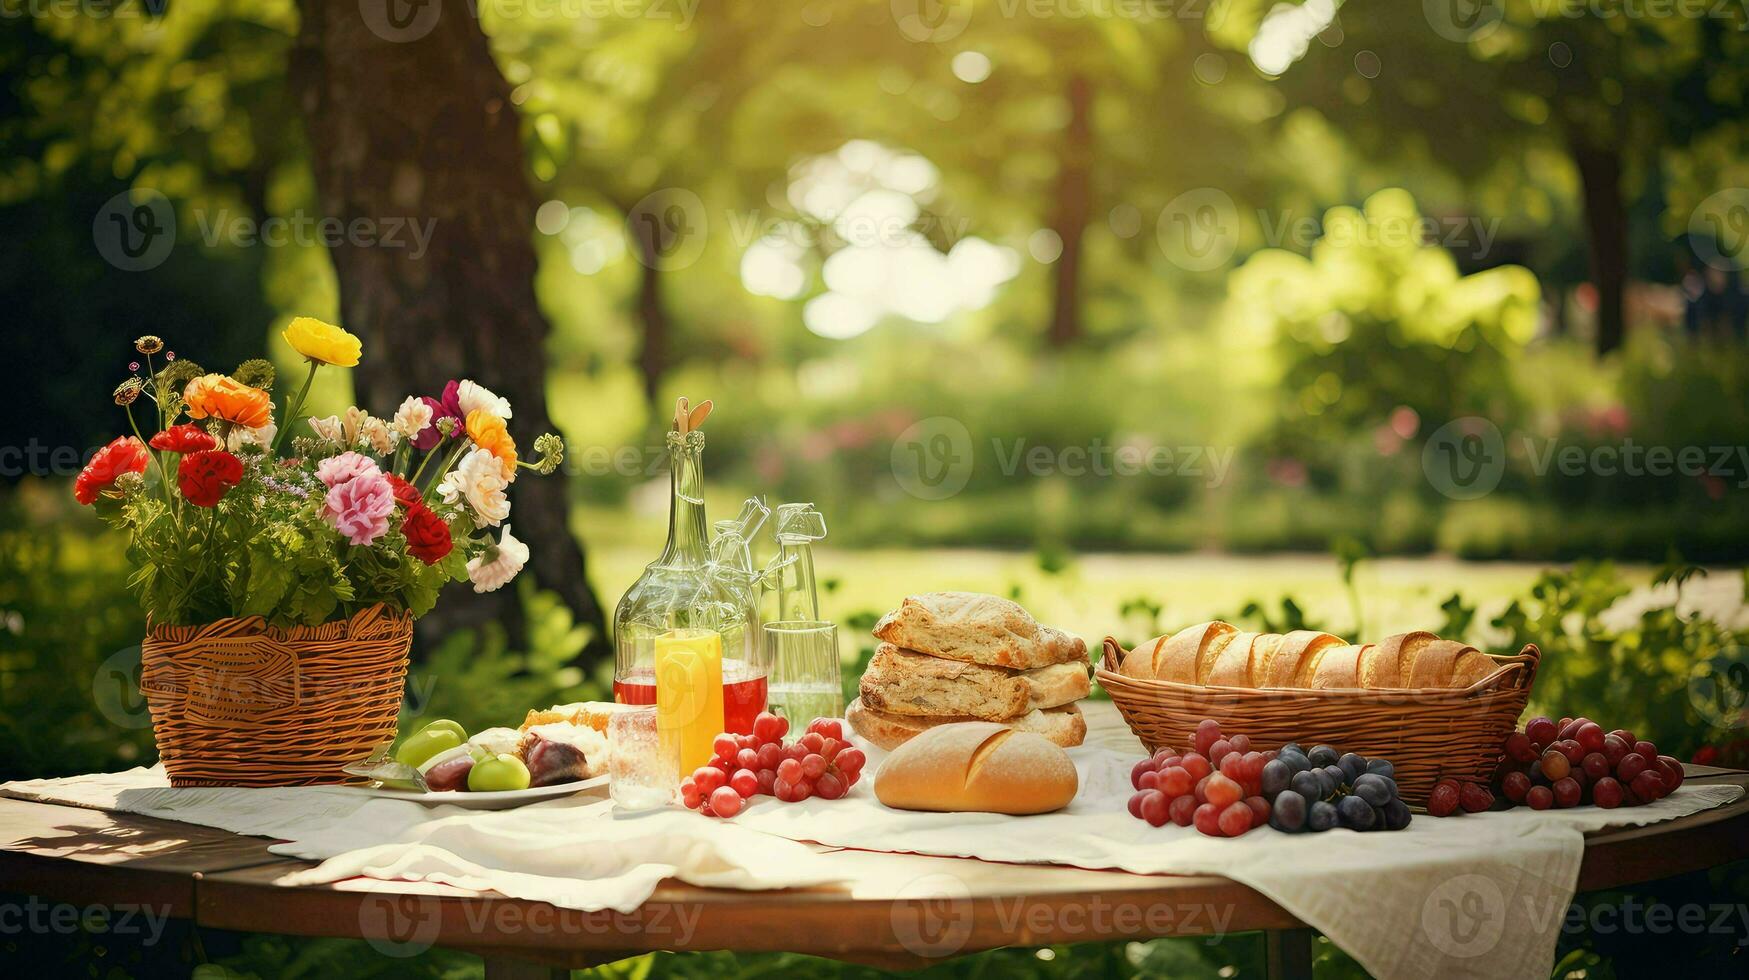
977	628
1232	667
1337	667
977	767
1061	725
905	682
1385	664
1282	665
1448	663
1143	663
1181	654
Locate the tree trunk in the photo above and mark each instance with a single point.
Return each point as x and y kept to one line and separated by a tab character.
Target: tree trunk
417	149
1070	212
1606	229
649	237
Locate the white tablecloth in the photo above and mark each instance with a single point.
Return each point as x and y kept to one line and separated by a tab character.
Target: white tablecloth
1477	895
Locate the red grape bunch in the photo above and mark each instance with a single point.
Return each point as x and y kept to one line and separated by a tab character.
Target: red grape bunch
1565	764
1216	788
822	763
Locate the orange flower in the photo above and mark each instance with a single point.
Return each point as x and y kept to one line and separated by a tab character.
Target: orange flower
488	432
224	397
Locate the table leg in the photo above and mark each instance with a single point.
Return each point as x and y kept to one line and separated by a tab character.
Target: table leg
516	968
1288	953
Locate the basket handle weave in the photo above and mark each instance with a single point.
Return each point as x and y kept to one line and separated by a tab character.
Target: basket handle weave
227	674
1114	654
1524	663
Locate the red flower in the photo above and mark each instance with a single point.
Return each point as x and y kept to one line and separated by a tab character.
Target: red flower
124	455
406	494
427	535
184	438
208	475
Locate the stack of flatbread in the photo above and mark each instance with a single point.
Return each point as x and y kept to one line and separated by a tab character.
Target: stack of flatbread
964	656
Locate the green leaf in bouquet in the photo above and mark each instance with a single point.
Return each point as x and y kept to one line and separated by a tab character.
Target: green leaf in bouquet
269	579
455	565
256	373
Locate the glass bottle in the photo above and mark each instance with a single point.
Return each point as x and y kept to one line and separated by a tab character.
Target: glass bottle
681	592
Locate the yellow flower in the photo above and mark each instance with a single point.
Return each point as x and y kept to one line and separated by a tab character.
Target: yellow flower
224	397
488	432
322	342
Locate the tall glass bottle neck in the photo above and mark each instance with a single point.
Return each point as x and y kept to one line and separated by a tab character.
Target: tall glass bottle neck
688	532
797	598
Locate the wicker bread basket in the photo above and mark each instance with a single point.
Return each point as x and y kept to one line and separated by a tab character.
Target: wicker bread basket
238	703
1428	734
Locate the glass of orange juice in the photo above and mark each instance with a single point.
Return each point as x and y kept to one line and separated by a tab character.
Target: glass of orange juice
689	693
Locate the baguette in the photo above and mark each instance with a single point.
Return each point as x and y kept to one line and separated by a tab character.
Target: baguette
977	628
1447	663
1282	665
1062	725
977	766
1145	661
1384	663
1334	667
1219	655
1231	667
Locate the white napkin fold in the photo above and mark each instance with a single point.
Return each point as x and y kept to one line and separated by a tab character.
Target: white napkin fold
571	852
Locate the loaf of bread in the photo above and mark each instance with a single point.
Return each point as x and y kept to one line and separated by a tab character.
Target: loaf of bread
1062	726
977	766
1220	655
905	682
977	628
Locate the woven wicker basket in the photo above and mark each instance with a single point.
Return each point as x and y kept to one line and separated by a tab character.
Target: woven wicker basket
1428	734
237	703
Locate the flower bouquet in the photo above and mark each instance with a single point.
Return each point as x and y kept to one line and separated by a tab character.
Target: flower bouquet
281	577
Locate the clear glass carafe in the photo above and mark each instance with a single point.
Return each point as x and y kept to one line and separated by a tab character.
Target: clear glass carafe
804	676
683	589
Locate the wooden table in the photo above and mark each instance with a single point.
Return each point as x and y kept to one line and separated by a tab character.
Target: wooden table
226	881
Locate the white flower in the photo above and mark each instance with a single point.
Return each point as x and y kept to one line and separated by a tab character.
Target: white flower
381	437
471	395
328	429
498	564
478	479
412	417
240	437
341	430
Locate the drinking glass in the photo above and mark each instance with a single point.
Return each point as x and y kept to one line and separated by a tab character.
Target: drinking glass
643	768
804	670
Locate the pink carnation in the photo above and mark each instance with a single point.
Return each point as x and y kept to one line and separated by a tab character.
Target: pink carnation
336	470
361	507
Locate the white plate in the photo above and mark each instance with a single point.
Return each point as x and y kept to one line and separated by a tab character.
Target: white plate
500	800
